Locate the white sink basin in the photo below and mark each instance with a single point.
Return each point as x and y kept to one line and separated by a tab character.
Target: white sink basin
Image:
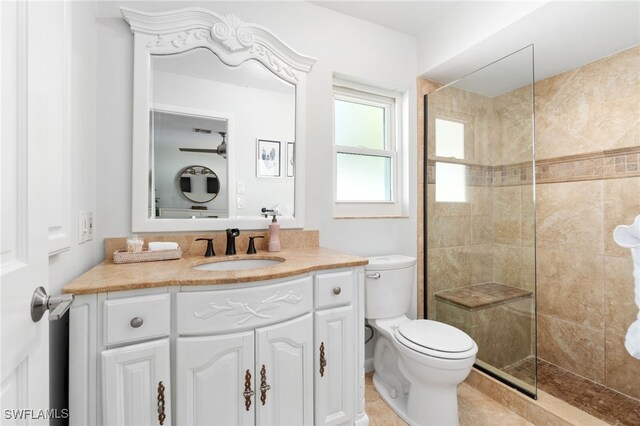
237	264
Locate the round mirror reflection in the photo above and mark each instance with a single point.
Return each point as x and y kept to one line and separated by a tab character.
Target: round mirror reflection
198	183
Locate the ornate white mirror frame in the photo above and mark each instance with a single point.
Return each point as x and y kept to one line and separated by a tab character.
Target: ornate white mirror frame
233	42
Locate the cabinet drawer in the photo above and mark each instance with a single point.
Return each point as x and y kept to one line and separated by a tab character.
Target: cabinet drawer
137	318
228	310
334	289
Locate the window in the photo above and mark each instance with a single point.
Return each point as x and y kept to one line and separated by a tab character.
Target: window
367	151
451	178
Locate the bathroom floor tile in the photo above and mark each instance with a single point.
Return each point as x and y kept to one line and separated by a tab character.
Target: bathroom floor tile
476	409
591	397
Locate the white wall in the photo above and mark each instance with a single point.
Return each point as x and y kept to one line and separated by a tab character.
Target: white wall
65	266
340	43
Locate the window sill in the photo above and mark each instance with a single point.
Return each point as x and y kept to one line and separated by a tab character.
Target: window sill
373	217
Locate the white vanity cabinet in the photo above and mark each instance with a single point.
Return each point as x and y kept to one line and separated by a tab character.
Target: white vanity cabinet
136	384
258	377
278	352
334	336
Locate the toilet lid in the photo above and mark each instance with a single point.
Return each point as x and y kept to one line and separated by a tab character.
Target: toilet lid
436	336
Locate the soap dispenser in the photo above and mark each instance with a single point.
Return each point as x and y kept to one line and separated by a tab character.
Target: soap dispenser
274	238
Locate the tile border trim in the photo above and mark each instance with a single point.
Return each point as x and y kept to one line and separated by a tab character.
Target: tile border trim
608	164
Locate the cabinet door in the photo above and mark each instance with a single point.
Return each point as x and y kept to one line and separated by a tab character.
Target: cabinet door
137	384
335	366
212	374
284	363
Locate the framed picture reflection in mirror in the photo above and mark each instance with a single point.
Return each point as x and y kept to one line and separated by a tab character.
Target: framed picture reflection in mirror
268	158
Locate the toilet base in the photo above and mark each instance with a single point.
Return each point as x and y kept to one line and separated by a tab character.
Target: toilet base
436	405
397	404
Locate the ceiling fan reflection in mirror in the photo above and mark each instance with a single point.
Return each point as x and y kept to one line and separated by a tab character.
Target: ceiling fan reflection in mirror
221	150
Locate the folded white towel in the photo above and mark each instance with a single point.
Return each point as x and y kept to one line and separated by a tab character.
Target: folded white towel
632	339
162	245
629	237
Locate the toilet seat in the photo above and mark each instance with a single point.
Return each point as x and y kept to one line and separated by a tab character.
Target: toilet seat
435	339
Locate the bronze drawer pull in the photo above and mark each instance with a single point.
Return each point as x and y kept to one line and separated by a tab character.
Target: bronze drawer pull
264	387
323	360
161	415
248	393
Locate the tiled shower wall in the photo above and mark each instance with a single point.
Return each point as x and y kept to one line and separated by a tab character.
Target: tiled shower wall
588	181
587	149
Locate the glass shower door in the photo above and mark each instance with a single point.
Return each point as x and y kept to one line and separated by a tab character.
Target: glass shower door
480	213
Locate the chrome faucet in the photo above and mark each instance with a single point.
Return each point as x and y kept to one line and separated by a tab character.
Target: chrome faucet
232	233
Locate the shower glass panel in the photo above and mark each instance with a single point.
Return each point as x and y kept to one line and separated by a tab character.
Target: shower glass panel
480	214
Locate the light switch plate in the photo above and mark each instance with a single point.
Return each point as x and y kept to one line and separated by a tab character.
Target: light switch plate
241	187
85	226
241	202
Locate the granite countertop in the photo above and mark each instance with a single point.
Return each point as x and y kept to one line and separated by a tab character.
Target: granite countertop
109	276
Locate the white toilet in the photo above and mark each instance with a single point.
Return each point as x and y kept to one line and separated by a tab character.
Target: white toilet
418	363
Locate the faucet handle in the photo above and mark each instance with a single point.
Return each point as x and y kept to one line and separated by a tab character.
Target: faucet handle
252	246
209	251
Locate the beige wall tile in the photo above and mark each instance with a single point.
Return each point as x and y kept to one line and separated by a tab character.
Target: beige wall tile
552	140
621	368
571	286
506	215
621	206
620	308
527	216
454	316
481	200
571	346
507	267
481	230
588	109
528	268
448	231
570	216
631	138
481	263
448	268
503	333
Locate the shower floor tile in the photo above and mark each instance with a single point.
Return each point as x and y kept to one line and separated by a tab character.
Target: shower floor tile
593	398
524	370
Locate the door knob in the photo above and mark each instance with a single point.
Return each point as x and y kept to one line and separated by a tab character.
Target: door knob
41	302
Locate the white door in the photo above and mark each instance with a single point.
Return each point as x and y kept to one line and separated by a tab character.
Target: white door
137	384
284	373
27	31
335	364
212	376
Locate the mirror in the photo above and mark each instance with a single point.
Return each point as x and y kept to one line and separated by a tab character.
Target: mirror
215	95
193	98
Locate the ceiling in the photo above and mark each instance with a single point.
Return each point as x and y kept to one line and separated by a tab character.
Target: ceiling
458	37
409	17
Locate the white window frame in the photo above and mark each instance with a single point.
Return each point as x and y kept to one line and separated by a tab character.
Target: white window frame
395	140
459	161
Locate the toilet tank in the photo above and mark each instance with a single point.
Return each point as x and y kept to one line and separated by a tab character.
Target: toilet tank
388	286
